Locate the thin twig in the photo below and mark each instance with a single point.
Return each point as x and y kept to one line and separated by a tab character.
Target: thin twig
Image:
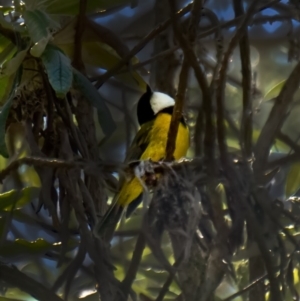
71	270
183	78
246	124
15	278
288	141
207	101
275	120
246	288
54	163
134	264
169	280
177	112
234	22
108	74
221	133
81	20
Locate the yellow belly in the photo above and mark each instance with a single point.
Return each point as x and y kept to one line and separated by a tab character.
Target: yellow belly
156	151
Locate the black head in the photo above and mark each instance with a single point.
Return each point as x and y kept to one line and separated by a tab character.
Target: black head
151	103
144	109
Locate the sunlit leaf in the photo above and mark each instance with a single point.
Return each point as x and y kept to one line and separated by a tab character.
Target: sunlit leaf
38	24
9	299
12	65
92	95
59	70
7	52
234	144
38	48
6	9
90	297
22	247
293	180
273	92
17	294
7	199
4	42
5	87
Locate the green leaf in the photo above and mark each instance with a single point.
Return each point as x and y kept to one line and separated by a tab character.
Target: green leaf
38	48
71	7
12	65
27	194
22	247
92	95
293	180
59	70
14	293
7	52
6	9
4	42
4	114
9	299
38	24
274	91
5	87
102	56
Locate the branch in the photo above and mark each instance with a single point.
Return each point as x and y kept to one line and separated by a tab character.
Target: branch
246	126
169	280
134	264
221	132
18	279
77	61
207	101
183	78
109	73
177	112
275	120
246	288
288	141
234	22
56	163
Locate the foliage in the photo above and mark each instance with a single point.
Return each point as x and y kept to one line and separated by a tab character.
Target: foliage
212	219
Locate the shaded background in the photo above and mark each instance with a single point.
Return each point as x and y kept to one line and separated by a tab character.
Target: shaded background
31	243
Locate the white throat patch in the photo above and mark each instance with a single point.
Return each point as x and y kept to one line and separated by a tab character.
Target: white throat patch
160	101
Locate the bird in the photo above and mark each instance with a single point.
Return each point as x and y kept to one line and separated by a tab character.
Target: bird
154	113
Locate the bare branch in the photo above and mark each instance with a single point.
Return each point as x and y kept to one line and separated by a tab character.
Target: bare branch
183	78
246	127
18	279
275	120
134	265
103	78
81	19
246	289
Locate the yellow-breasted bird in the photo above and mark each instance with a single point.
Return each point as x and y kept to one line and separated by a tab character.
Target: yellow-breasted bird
154	112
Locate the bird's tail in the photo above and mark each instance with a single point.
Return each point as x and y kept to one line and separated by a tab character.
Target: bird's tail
108	223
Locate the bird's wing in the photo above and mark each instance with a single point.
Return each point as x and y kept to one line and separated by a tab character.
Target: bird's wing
140	142
113	214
